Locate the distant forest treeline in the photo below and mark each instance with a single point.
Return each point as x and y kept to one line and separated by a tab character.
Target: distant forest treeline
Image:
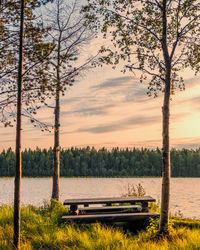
88	161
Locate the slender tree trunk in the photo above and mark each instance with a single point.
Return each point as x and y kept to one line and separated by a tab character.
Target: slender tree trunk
56	158
164	217
17	198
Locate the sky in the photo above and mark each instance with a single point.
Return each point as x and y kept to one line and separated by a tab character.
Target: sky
107	108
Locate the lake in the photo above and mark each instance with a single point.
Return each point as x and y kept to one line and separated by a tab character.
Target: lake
185	192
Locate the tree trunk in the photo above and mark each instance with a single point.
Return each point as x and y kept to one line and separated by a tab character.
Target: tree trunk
56	158
17	198
56	152
164	217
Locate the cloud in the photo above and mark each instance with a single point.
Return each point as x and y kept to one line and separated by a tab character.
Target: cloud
114	82
178	117
178	143
191	82
193	100
71	100
187	142
121	124
9	140
5	134
99	110
136	95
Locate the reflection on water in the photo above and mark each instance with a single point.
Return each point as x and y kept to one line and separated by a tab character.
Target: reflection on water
185	195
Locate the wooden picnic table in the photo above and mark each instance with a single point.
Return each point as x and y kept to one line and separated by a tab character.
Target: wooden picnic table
115	210
143	200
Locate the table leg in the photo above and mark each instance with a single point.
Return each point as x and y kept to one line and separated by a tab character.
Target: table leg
74	209
144	206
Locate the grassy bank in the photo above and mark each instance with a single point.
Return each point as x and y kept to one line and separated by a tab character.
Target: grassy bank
41	229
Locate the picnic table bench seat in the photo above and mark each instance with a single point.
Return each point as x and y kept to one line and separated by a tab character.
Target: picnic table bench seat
105	217
109	209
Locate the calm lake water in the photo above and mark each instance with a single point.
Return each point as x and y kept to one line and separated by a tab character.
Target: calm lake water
185	192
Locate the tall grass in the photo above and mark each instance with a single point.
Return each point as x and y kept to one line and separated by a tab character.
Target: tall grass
131	190
41	228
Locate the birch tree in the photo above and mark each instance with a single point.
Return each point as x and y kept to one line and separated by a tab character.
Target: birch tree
69	35
17	197
21	50
160	38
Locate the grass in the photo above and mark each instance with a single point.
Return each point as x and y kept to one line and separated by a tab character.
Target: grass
41	229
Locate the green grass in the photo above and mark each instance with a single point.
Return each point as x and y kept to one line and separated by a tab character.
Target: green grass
41	229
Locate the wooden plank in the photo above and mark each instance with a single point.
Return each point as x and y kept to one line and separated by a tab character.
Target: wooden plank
109	209
129	199
110	217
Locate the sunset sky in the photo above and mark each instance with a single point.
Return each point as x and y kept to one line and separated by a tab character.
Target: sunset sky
108	108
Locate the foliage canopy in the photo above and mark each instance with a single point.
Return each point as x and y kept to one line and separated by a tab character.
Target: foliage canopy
135	29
